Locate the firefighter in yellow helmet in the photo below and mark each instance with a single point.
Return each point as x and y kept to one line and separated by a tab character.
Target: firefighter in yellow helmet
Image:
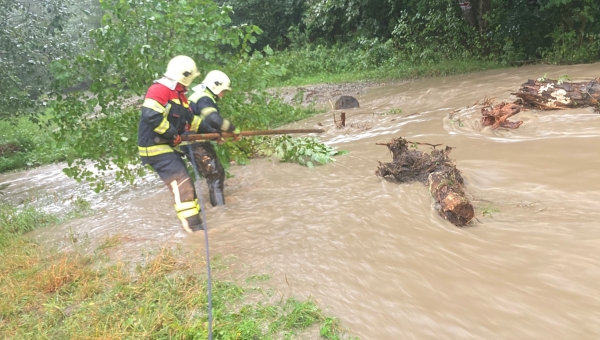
165	115
203	103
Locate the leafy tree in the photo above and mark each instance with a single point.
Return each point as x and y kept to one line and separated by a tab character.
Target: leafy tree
436	31
136	40
475	11
341	19
33	34
517	29
274	17
576	37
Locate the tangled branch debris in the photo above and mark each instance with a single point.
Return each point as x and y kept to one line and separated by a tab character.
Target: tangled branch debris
498	115
437	171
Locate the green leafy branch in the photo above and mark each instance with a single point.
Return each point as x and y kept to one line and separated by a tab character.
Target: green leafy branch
304	151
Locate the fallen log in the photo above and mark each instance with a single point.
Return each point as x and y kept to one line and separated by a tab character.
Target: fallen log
498	115
437	171
549	94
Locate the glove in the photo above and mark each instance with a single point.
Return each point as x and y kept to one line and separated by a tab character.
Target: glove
176	141
237	136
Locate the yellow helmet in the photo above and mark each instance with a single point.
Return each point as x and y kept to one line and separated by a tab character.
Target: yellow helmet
217	82
182	69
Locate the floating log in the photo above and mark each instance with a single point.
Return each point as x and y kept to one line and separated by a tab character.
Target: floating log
497	116
549	94
437	171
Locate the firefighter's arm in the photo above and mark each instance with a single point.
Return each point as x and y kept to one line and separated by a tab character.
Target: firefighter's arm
154	111
214	119
209	113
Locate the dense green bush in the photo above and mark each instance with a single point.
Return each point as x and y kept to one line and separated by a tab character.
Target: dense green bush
438	34
26	145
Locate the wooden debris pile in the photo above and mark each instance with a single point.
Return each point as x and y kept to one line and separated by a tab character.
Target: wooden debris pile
437	171
549	94
542	94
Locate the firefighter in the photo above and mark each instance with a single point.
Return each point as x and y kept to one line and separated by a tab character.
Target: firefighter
203	103
165	114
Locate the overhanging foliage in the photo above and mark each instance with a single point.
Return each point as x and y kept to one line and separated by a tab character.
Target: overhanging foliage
133	46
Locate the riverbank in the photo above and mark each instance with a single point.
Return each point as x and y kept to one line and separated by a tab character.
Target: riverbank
326	86
52	294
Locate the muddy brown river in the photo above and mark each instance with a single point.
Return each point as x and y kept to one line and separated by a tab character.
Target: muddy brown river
375	253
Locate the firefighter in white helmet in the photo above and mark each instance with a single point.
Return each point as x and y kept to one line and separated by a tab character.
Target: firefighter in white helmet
165	115
203	103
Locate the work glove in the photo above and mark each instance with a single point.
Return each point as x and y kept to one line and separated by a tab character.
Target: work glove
237	135
176	141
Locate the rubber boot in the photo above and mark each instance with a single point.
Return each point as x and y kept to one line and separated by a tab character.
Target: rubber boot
192	223
216	192
211	168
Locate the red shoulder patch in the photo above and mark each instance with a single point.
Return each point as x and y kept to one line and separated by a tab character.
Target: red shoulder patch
160	93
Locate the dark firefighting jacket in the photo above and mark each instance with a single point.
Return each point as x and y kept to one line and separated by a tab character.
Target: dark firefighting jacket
204	105
165	114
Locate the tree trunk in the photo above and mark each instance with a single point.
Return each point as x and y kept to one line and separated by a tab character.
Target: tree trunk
437	171
550	94
474	12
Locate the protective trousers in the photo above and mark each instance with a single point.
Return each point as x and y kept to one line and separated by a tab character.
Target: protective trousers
171	169
211	168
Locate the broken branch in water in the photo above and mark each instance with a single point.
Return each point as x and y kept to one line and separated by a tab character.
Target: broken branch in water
437	171
497	116
417	143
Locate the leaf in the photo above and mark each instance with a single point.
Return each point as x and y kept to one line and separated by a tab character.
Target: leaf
268	50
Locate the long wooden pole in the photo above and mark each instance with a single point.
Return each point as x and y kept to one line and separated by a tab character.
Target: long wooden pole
210	136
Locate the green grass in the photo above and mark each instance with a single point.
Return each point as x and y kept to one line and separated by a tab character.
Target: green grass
45	294
24	145
14	221
397	73
341	64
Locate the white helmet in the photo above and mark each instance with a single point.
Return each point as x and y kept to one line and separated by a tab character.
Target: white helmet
182	69
217	82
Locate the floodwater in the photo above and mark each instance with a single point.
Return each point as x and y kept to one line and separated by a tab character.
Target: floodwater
375	253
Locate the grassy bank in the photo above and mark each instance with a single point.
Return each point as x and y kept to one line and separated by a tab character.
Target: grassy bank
45	294
24	145
342	64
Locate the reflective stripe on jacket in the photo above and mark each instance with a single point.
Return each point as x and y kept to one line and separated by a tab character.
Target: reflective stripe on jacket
204	105
165	114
